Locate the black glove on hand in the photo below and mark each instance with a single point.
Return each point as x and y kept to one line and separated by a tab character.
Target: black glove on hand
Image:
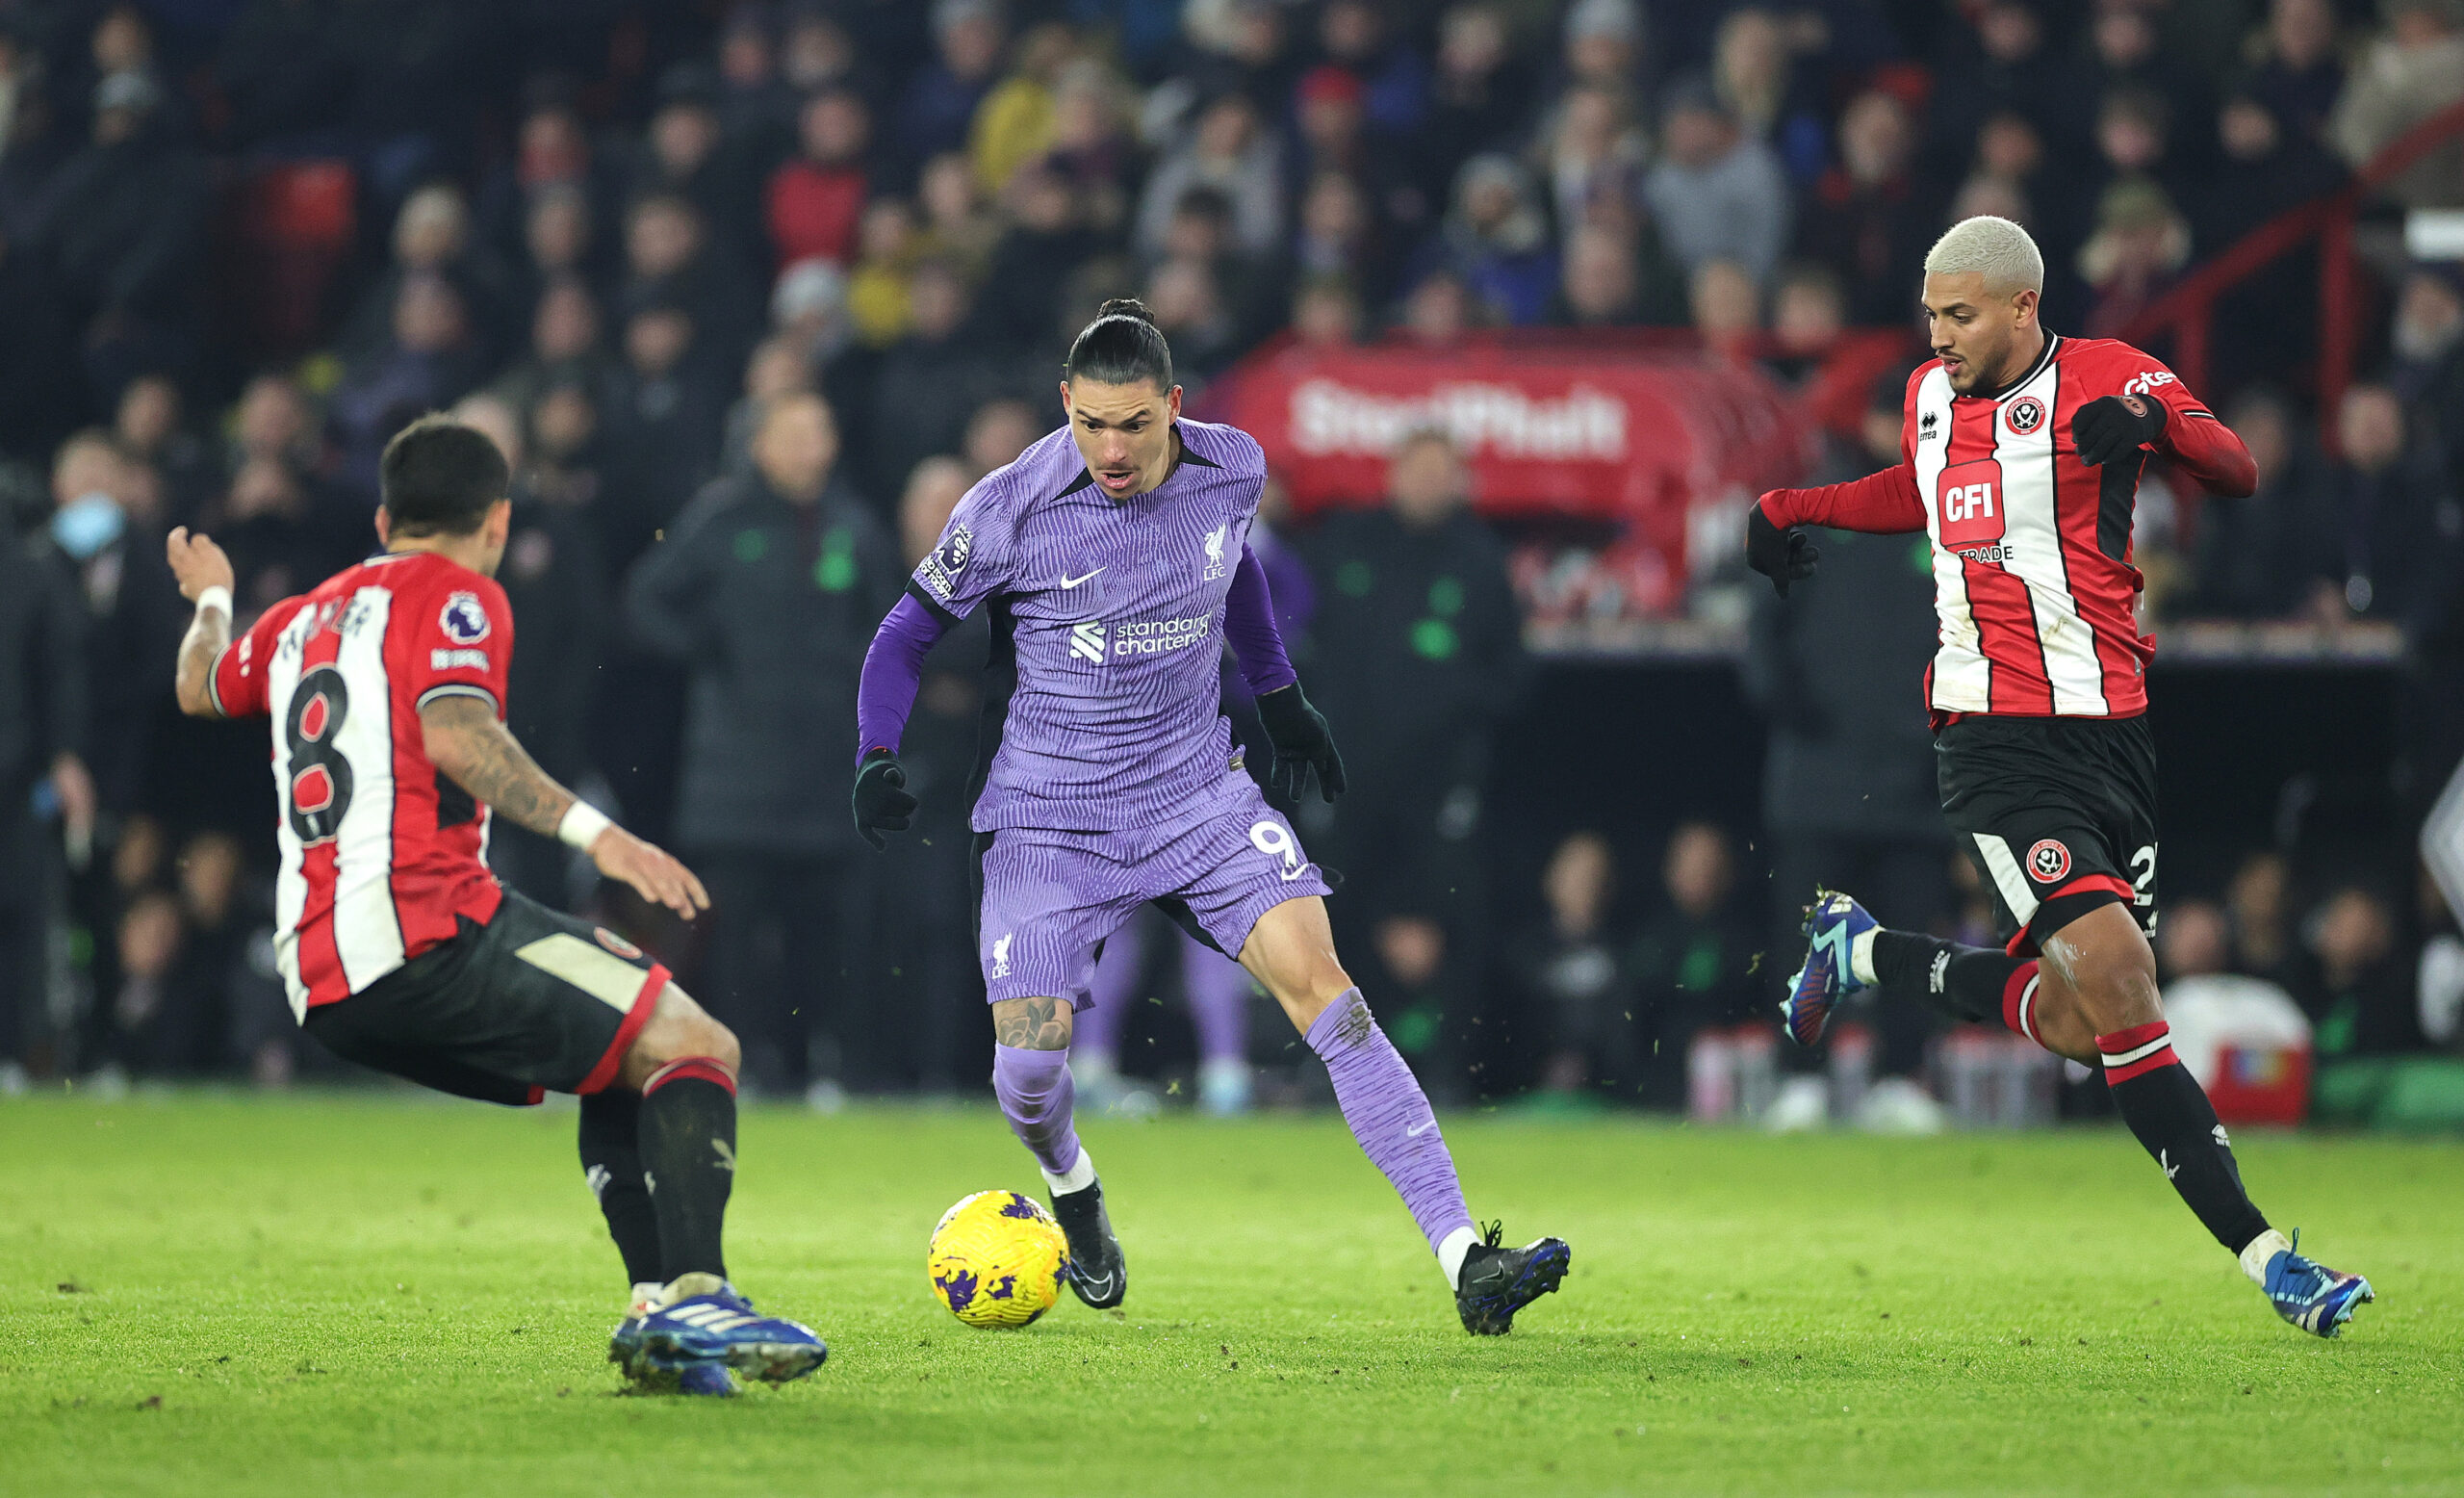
882	802
1301	743
1785	556
2116	427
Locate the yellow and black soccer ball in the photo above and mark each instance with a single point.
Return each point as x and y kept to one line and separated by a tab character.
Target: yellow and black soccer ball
997	1259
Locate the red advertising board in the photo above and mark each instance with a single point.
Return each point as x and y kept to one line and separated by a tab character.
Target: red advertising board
1605	431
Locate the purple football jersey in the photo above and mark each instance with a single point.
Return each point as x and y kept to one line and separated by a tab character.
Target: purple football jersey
1113	611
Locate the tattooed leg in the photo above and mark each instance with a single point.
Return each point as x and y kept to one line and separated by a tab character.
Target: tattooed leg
1031	1076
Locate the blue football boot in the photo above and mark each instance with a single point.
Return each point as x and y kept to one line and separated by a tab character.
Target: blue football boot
710	1381
2311	1295
625	1343
1828	976
702	1321
1495	1281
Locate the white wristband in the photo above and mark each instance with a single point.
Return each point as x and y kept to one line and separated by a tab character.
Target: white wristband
215	597
581	825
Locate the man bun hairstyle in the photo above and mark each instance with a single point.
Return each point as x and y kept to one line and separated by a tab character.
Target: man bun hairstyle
1121	346
2001	251
438	477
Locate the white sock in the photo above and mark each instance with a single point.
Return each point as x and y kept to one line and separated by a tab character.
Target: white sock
1078	1177
646	1292
1451	1253
2258	1251
1860	955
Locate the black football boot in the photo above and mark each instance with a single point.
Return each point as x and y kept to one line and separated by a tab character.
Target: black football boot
1097	1272
1496	1282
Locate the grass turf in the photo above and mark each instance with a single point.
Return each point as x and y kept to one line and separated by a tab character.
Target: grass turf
375	1294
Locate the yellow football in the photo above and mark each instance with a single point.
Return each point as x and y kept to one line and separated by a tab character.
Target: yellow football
997	1259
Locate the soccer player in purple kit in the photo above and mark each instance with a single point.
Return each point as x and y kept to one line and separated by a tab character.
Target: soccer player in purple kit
1113	558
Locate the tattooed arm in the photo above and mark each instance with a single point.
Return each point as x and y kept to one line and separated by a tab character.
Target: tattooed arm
467	742
465	739
198	564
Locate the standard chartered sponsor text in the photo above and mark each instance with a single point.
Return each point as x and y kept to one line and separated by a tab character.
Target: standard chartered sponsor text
1154	636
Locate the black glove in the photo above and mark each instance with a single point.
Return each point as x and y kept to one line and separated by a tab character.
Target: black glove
1785	556
1301	743
882	802
2115	427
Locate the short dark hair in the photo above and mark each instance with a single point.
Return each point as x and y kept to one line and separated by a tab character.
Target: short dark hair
1121	346
439	477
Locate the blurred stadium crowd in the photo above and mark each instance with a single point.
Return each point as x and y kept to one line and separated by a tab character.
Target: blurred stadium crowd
752	293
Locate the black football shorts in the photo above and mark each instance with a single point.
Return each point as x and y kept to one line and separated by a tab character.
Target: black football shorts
532	1002
2058	815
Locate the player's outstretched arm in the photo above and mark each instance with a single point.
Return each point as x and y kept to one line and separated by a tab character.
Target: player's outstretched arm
1884	504
204	574
465	739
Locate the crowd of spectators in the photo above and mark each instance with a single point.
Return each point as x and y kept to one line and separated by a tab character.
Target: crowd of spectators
751	292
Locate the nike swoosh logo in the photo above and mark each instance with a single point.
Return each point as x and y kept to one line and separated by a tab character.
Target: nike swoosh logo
1071	582
1415	1133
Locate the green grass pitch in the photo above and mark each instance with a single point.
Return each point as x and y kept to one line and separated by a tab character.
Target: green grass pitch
378	1294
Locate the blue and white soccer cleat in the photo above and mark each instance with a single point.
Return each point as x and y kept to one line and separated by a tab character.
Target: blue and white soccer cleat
2311	1295
625	1343
709	1380
1828	976
703	1322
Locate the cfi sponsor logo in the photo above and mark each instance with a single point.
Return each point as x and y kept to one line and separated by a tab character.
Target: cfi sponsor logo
2048	861
617	945
464	619
1215	551
2023	415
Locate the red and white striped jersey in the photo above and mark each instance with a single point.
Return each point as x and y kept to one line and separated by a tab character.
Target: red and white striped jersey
380	852
2033	583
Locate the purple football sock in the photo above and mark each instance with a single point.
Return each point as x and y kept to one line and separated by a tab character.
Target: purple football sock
1219	989
1097	1037
1036	1095
1390	1116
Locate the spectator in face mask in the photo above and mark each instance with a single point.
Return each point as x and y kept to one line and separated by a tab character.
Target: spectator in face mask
114	567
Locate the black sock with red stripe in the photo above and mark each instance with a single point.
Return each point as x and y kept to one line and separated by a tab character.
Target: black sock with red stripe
611	1161
2169	1111
1969	983
688	1159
